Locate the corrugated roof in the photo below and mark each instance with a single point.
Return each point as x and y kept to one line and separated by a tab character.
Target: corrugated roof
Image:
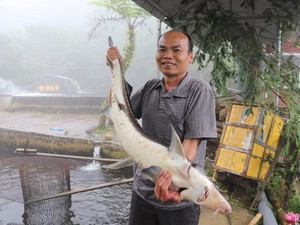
167	11
160	9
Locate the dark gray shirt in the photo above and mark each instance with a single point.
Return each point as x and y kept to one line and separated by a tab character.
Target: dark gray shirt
190	108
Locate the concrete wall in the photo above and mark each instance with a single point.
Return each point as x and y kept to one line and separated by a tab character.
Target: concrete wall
60	145
58	100
46	143
56	104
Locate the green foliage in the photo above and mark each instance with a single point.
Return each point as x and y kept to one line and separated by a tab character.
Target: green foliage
252	57
225	39
130	15
285	190
276	183
294	204
103	129
125	8
240	51
129	48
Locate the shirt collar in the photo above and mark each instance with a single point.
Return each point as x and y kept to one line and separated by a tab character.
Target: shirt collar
181	90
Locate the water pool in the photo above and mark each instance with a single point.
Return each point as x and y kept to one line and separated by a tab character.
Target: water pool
102	206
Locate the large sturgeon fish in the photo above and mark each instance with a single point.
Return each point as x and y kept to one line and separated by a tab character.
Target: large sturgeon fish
153	156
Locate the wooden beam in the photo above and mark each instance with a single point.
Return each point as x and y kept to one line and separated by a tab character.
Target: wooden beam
256	219
108	184
34	153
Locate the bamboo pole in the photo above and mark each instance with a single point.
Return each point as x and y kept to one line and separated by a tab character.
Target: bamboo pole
27	152
256	219
94	187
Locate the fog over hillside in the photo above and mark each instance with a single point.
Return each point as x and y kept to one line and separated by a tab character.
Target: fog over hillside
39	38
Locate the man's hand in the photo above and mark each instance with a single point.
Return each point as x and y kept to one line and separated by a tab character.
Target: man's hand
164	189
113	53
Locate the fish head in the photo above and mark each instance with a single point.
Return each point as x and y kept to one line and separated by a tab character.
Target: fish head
216	201
202	191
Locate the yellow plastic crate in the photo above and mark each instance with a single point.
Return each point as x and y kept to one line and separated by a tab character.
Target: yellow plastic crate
248	142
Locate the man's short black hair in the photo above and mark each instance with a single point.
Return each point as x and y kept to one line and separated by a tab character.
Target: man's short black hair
191	43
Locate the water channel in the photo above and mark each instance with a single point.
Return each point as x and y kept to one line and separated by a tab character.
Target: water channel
21	176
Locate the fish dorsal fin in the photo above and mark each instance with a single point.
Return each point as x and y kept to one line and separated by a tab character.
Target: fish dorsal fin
176	145
106	111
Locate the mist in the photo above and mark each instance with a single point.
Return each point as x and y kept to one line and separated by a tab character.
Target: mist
42	40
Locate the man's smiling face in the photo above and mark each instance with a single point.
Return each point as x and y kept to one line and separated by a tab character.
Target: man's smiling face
173	56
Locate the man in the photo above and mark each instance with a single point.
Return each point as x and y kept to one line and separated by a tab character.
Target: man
187	104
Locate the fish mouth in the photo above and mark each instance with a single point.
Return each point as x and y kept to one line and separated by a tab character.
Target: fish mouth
181	189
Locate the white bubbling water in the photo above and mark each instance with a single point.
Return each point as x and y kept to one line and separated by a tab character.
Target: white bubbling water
94	165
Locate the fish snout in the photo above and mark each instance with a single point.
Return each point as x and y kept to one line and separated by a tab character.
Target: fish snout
224	208
218	202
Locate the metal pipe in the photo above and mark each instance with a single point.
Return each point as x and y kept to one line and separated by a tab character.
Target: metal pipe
265	210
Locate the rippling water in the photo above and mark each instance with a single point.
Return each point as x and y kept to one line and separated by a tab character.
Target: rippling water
102	206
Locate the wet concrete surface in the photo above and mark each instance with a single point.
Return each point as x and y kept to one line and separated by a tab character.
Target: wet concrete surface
62	125
82	126
239	216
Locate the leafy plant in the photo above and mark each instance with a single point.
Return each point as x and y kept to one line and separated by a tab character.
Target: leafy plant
128	14
241	52
131	16
294	204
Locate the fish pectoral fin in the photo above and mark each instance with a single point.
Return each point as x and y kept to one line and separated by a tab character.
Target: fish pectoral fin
120	164
106	111
176	145
152	173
